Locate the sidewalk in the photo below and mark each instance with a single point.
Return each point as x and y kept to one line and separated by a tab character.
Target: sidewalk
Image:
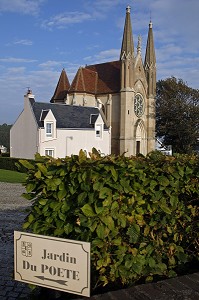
12	213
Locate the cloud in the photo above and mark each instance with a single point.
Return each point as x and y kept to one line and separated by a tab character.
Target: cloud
51	64
28	7
17	60
17	70
103	56
101	8
180	21
93	10
23	42
64	19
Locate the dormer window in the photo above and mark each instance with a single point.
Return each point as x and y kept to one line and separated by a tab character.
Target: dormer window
49	129
43	114
93	118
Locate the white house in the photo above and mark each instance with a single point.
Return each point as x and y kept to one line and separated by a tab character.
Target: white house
167	150
3	149
58	130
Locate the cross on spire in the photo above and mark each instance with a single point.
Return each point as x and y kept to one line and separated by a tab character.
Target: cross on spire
128	9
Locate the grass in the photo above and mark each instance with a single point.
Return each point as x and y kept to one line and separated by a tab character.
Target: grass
11	176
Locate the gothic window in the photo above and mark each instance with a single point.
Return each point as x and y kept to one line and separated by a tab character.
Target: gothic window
139	105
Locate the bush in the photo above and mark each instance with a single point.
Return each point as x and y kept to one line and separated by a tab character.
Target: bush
140	214
12	164
7	154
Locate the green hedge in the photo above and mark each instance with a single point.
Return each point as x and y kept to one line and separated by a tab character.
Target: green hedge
7	154
139	213
12	164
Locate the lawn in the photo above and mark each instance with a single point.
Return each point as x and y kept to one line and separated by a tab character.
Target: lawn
11	176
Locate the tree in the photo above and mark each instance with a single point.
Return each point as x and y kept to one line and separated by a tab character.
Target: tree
177	114
5	135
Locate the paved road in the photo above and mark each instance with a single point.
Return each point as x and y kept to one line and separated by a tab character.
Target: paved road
12	213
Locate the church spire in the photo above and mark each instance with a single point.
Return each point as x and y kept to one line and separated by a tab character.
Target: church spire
127	50
62	88
150	62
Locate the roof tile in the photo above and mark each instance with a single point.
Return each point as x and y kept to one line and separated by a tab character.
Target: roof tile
62	88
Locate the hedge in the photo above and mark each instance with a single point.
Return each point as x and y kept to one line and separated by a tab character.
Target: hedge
139	213
12	164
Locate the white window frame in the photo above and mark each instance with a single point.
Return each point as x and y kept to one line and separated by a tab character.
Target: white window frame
50	152
49	129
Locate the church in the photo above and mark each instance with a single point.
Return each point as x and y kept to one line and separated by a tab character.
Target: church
123	90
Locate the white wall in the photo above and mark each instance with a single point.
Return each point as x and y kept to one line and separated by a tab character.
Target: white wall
23	134
71	141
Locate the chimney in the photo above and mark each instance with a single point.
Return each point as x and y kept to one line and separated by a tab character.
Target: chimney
29	99
29	94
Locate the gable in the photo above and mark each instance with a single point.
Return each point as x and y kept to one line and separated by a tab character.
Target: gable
140	73
108	77
85	81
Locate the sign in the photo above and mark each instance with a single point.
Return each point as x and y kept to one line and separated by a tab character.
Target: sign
52	262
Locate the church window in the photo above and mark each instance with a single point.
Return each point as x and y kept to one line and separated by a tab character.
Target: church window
139	105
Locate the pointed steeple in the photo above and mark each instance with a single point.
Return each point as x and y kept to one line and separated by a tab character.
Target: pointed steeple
127	50
62	88
150	63
139	45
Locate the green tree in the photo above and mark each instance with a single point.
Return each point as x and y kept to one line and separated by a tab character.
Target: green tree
5	135
177	114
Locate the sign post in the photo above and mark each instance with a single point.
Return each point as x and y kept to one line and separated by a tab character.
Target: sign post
51	262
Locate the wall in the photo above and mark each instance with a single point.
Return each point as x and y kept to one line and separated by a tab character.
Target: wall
23	134
72	141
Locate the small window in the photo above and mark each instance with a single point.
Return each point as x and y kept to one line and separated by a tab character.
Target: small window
49	129
49	152
98	131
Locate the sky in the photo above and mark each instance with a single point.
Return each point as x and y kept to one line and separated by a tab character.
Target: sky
38	38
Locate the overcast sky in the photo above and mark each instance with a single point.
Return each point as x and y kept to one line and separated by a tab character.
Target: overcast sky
41	37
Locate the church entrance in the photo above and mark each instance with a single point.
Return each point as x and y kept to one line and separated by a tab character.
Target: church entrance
140	140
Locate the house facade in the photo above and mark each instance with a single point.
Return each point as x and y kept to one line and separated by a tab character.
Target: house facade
123	90
57	130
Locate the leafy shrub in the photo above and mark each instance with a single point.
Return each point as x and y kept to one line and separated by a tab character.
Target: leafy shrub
12	164
139	213
7	154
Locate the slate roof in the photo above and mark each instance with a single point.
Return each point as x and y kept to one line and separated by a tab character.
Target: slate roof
67	116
